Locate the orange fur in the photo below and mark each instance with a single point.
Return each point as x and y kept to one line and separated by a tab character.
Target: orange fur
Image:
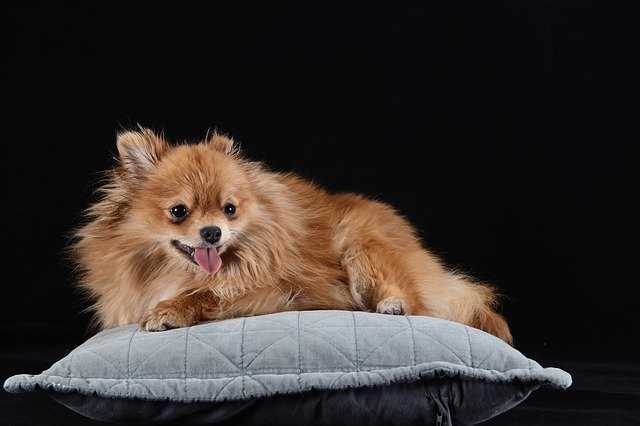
290	245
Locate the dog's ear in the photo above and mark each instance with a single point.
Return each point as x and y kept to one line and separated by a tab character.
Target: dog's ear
140	151
222	143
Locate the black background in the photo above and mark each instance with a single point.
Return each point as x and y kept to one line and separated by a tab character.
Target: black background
499	129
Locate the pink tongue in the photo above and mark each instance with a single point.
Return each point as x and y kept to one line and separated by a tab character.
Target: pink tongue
208	259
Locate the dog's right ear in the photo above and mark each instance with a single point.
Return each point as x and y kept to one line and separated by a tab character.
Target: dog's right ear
140	151
222	143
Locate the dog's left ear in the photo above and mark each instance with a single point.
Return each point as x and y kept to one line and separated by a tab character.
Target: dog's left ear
223	144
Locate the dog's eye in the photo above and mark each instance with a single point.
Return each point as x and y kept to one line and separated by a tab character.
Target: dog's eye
229	209
179	211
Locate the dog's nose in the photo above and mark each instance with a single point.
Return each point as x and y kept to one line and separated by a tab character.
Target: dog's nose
211	234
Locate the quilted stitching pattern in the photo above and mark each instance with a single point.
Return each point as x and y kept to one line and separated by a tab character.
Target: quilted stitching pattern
283	353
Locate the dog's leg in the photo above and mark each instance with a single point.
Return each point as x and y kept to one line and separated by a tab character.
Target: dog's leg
184	310
375	282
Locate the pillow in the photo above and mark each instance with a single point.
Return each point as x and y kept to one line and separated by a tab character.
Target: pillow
327	367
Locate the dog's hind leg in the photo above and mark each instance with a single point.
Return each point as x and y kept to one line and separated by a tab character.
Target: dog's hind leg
376	283
377	247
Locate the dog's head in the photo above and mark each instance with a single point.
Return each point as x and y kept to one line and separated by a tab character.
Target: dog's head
193	201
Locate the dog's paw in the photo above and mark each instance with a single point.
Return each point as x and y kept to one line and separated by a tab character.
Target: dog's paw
164	317
392	306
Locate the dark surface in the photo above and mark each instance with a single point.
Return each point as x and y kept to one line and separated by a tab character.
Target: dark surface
503	131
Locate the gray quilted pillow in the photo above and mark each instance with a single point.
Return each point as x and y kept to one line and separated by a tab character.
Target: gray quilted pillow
327	367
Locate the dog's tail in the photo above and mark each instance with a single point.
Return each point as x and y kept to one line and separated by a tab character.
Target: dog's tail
484	301
458	298
487	319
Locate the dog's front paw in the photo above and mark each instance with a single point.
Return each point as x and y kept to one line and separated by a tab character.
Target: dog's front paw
392	306
166	316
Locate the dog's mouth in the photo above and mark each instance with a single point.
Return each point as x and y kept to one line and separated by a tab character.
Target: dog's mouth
206	257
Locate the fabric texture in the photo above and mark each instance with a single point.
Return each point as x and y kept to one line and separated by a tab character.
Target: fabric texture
456	371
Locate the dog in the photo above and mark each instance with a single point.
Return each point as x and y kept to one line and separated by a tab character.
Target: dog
194	232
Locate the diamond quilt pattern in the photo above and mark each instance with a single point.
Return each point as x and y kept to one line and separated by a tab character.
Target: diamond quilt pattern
287	352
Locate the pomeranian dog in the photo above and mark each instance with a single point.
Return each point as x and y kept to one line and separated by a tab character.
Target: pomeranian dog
188	233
